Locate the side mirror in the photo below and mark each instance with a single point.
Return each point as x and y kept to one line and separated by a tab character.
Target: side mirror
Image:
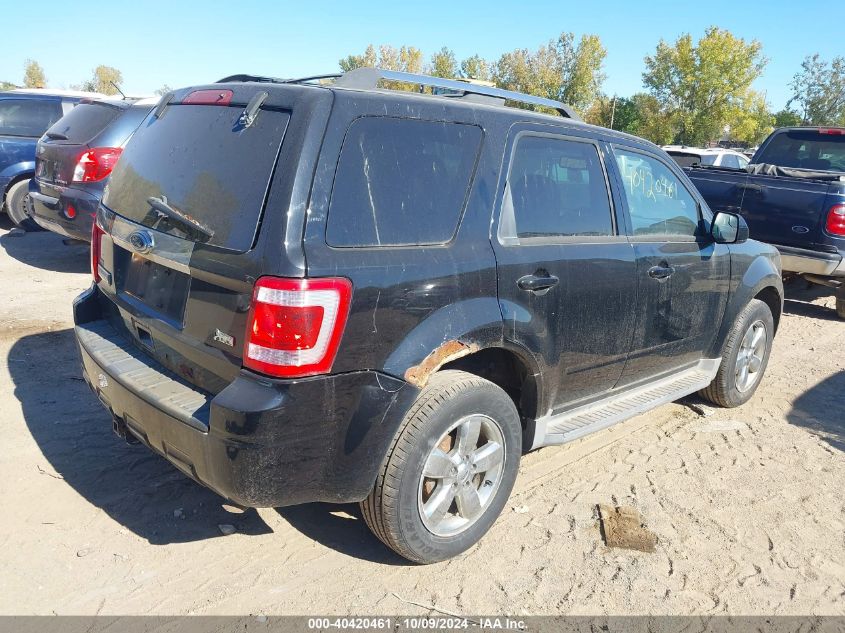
728	228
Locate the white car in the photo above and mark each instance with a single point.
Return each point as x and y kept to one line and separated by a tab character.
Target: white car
714	156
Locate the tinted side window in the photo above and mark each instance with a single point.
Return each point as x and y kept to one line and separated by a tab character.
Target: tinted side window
401	182
659	204
28	117
556	188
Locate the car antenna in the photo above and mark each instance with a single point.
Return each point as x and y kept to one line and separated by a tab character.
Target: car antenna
116	87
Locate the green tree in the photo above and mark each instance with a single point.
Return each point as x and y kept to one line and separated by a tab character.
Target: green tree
559	70
7	85
368	60
33	75
407	59
476	67
103	80
617	113
819	91
704	86
787	118
444	64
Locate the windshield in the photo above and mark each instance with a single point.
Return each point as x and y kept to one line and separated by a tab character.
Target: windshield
197	174
805	149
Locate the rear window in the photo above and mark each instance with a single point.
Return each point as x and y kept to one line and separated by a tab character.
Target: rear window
685	159
85	121
401	182
805	149
199	162
28	117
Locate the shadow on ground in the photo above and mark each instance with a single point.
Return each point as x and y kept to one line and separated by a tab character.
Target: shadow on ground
134	486
821	410
799	297
340	527
44	250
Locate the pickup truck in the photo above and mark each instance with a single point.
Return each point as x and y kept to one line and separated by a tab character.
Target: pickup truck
792	195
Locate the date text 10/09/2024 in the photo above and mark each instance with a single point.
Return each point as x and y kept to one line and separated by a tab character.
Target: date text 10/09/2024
417	623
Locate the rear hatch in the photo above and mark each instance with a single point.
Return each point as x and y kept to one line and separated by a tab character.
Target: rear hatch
182	213
60	148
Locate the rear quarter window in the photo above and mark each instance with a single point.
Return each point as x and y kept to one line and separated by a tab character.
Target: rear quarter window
401	182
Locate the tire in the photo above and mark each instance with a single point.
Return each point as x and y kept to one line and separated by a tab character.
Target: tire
17	200
729	388
437	426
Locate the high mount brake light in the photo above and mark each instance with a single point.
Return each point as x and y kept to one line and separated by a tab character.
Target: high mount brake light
832	130
295	325
835	224
96	163
208	97
96	235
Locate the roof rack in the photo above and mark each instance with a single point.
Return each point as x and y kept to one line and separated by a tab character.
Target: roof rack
245	77
369	78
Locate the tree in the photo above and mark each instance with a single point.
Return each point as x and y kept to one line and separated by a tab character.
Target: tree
476	67
103	80
819	91
559	70
787	118
407	59
444	64
163	90
367	60
703	87
7	85
33	75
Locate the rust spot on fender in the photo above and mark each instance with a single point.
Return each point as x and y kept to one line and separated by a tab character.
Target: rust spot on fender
418	375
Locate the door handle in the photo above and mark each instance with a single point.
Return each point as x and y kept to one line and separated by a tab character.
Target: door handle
751	186
661	272
537	283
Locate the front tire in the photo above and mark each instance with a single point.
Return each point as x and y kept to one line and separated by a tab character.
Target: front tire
449	471
744	358
17	199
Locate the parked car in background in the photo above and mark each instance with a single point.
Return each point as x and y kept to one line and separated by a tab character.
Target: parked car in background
24	116
74	158
350	294
714	156
792	196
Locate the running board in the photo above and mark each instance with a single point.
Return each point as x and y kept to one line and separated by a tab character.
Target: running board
570	425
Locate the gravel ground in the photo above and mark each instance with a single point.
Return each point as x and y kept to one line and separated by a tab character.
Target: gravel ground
746	504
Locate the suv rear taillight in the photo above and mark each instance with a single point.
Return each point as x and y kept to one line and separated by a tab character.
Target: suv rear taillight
836	220
295	325
96	234
95	164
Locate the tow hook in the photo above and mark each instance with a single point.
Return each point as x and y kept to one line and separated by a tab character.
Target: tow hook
122	431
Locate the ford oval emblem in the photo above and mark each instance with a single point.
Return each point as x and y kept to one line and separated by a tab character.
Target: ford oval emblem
141	241
800	229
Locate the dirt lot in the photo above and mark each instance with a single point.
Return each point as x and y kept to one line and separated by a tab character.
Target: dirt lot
747	504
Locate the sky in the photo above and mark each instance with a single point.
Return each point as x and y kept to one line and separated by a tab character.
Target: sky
185	42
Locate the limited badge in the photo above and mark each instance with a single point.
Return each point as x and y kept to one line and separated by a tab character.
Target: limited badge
222	337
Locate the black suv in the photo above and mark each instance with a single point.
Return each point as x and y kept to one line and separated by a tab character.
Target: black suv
341	292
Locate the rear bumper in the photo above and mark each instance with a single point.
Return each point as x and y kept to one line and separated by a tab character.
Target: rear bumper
799	260
259	442
49	211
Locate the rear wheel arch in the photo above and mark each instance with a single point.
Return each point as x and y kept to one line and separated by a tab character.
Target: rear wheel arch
513	373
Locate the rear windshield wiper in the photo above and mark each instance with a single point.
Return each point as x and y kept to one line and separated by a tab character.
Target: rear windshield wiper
56	136
164	209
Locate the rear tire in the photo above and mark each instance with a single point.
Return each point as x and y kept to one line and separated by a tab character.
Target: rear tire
17	201
744	358
450	470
